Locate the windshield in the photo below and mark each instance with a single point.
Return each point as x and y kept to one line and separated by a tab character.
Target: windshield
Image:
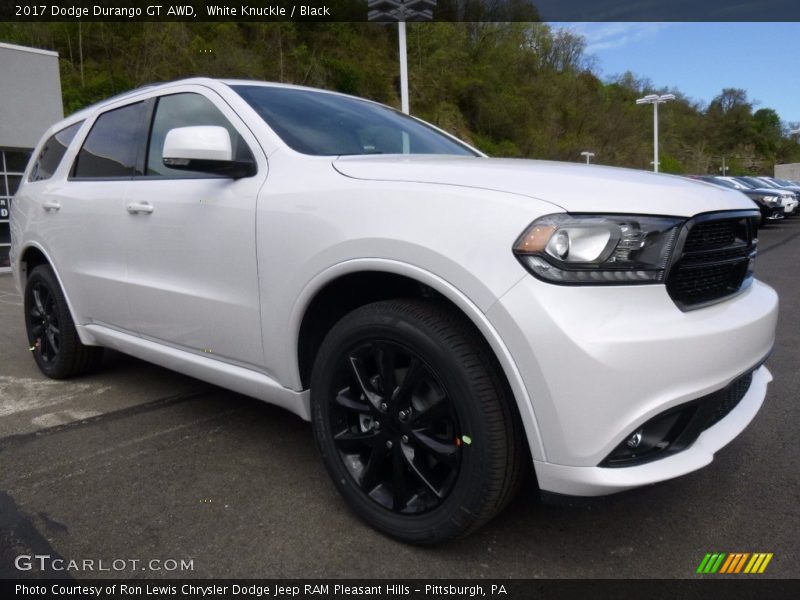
782	183
765	182
734	183
324	124
725	183
745	181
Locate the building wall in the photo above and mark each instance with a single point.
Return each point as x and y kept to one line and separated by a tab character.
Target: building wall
790	171
12	164
30	101
30	95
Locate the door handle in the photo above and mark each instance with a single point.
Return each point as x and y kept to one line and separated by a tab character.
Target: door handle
49	205
140	207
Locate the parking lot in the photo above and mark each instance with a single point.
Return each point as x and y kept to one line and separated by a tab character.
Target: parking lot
135	462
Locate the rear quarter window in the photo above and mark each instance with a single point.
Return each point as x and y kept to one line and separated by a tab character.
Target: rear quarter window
52	152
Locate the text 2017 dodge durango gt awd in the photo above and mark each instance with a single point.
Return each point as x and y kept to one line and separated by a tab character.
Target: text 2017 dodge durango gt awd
442	318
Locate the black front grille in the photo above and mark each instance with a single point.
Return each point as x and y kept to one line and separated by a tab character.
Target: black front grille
714	258
712	234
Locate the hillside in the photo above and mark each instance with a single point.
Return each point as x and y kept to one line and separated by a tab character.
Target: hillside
520	89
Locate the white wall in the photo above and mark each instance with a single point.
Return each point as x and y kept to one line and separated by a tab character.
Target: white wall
30	95
791	171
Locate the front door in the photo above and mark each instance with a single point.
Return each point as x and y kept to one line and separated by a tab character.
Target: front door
191	241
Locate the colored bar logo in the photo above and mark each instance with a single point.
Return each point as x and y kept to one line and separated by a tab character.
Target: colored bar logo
734	563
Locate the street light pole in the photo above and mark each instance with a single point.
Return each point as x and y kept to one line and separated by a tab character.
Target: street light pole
655	137
401	11
401	36
588	156
655	100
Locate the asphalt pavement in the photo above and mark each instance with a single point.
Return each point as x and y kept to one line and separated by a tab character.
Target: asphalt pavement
137	463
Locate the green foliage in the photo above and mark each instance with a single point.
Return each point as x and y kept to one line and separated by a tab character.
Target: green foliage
670	164
512	89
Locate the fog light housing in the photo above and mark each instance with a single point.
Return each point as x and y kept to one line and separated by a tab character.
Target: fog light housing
635	440
677	428
649	441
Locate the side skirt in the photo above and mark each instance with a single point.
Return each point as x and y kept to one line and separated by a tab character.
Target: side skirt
239	379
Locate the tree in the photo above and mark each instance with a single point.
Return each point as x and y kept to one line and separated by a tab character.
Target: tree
522	89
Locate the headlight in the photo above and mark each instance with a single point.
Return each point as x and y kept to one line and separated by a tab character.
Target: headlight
598	249
772	200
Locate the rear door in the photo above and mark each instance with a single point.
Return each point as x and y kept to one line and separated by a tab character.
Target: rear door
191	243
83	215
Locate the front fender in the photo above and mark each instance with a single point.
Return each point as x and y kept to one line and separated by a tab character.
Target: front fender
470	309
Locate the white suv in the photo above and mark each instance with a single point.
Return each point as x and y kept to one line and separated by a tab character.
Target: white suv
441	318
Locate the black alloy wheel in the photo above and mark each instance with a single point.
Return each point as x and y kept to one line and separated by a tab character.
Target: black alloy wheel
395	427
43	322
53	340
414	421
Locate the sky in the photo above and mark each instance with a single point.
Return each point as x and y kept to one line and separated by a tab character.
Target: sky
700	59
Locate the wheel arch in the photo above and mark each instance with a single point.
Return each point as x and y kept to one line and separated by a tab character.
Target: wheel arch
339	289
32	256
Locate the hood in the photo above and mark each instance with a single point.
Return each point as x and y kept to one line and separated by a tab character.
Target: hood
572	186
782	192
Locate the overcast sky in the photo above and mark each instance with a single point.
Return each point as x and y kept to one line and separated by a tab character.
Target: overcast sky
700	59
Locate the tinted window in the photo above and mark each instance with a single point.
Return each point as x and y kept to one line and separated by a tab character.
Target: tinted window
748	184
17	160
113	144
13	182
52	152
187	110
327	124
725	183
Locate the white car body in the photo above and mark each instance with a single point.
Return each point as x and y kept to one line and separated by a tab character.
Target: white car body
216	281
789	204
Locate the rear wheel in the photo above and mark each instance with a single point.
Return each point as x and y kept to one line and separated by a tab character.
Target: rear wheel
54	342
413	421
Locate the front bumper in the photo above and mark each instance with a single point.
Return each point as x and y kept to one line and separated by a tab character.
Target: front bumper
598	481
598	362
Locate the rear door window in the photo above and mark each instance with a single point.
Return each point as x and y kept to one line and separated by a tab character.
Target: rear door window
114	145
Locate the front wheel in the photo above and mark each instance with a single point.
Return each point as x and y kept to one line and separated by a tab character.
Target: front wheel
53	340
413	421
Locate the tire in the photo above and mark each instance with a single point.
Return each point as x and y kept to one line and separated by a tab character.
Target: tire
54	342
435	453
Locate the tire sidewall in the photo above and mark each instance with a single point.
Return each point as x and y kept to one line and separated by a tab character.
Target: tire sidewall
457	510
67	335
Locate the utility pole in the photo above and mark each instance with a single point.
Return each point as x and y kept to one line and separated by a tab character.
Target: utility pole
588	156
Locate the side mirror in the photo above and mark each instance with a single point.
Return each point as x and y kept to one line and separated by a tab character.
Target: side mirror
205	148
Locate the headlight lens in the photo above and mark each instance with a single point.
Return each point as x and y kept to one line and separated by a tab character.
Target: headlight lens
771	200
598	249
